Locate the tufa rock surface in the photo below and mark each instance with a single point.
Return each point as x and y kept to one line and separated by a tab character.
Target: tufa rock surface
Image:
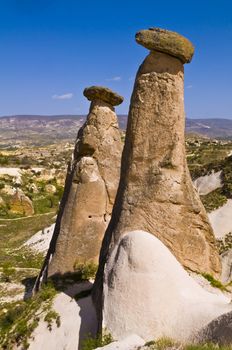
150	294
155	191
218	331
89	194
166	41
104	94
49	188
21	204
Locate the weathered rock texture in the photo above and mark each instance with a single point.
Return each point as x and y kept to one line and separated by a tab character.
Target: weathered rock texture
218	331
90	190
163	40
155	192
148	293
21	204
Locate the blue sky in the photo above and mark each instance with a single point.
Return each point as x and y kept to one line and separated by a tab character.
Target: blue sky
52	49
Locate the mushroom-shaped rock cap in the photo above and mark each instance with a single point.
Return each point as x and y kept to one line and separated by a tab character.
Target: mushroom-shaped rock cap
166	41
101	93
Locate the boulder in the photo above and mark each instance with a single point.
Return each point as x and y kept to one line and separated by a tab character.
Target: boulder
90	189
21	204
147	292
49	188
33	188
163	40
94	93
9	190
218	331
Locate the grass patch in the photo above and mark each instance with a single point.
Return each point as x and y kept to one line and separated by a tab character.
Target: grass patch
21	318
166	343
91	343
207	346
214	200
13	233
225	243
51	317
85	271
214	283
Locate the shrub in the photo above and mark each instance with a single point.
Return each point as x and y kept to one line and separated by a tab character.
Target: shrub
50	317
85	271
214	283
7	271
21	318
91	343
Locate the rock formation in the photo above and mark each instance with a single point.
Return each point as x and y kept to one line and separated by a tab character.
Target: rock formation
90	188
218	331
149	293
49	188
155	192
21	204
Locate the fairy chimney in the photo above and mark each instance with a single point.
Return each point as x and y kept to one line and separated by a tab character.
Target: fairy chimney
90	189
155	192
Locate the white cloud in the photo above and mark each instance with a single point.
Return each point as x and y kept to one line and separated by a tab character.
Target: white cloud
189	87
114	79
66	96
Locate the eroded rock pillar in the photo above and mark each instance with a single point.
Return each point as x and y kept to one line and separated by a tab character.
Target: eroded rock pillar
155	192
90	189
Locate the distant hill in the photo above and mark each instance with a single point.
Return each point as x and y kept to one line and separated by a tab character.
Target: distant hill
41	129
38	130
212	128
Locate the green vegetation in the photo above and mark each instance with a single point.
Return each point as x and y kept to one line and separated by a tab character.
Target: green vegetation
14	233
201	153
207	346
85	271
168	344
207	156
161	344
225	243
19	319
214	200
90	343
7	272
214	283
50	317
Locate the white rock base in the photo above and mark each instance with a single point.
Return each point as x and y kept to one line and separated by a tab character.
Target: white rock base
147	292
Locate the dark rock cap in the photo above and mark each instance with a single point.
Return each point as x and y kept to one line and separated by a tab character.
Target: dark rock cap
166	41
102	93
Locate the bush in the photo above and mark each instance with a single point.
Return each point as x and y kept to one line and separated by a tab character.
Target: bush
214	200
52	316
85	271
7	272
91	343
18	323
